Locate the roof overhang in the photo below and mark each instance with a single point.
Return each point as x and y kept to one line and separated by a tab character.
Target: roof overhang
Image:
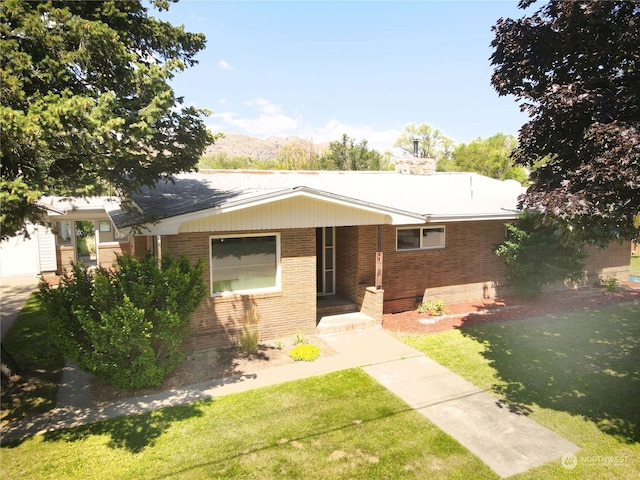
171	225
502	215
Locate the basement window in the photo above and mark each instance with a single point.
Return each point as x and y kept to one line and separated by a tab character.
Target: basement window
245	264
421	238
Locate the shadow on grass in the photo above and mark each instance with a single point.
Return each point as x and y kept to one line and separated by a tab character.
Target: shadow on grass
40	363
585	363
133	433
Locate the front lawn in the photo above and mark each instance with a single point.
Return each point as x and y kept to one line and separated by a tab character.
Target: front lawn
577	374
34	390
342	425
634	268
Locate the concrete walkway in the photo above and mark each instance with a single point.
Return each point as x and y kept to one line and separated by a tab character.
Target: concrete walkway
14	292
507	442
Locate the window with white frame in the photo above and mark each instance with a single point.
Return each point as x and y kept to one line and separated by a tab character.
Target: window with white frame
245	263
420	238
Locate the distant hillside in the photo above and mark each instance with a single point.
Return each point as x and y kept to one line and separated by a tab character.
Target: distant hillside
235	145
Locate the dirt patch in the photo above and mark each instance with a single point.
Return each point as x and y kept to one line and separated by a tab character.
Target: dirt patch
472	313
207	365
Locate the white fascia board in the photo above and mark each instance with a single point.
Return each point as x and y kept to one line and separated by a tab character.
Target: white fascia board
507	215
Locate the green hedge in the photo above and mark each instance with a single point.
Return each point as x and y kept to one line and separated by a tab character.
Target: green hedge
125	325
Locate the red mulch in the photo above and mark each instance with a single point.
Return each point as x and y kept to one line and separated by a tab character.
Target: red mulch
498	310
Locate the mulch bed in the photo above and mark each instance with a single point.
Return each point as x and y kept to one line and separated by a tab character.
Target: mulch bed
497	310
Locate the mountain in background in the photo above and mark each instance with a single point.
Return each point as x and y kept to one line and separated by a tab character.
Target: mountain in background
235	145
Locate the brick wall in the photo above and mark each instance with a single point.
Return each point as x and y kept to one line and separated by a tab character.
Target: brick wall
139	245
613	261
465	270
218	320
108	252
65	254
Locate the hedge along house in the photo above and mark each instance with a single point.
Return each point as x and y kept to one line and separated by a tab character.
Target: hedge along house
286	243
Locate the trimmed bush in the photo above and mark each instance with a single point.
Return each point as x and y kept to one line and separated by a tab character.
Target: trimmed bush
537	254
305	352
125	325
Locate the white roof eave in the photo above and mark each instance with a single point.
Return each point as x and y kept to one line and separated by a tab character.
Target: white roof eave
171	226
503	215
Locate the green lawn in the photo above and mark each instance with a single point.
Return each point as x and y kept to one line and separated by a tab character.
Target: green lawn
342	425
577	374
40	363
635	265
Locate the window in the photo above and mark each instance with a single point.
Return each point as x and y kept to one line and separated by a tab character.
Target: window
63	232
105	226
423	238
242	264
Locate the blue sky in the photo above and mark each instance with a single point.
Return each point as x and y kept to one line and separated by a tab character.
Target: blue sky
368	68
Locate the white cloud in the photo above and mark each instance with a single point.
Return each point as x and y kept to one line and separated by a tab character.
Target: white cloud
224	65
262	118
377	140
268	120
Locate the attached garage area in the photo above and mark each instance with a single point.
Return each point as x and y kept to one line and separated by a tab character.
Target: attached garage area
21	257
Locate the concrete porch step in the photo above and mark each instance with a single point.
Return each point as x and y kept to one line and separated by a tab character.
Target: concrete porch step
344	322
333	305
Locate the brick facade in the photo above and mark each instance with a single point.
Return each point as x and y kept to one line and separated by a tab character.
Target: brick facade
218	320
613	261
108	252
466	269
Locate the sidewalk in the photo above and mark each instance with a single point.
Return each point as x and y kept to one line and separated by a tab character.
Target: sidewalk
14	292
507	442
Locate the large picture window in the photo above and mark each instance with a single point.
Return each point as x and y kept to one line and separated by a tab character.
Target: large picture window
245	264
421	238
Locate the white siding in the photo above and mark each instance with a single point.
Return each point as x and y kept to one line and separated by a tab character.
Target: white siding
299	212
19	256
47	251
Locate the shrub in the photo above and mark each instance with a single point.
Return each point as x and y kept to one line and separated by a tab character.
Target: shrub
611	284
537	254
433	307
305	352
300	338
249	340
125	325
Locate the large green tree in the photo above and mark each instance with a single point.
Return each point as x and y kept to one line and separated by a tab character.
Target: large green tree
86	107
432	143
347	154
489	157
574	66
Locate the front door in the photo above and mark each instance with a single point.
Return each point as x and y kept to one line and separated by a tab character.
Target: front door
326	260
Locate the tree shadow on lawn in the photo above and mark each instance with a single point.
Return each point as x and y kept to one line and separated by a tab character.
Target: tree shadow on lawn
585	363
132	432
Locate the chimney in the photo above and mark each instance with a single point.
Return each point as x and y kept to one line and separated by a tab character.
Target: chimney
416	165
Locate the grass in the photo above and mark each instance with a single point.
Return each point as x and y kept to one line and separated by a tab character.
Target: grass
40	363
635	265
341	425
577	374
